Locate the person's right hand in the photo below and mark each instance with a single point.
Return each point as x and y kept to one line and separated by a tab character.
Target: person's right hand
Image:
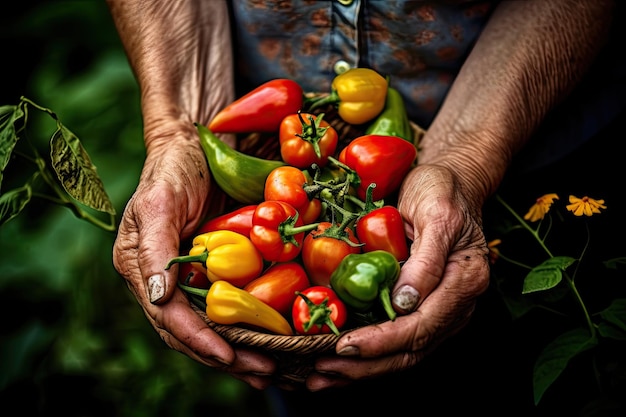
438	286
171	199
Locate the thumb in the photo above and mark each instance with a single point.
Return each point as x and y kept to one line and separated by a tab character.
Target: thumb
419	276
158	244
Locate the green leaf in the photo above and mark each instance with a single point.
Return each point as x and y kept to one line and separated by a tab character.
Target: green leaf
615	262
609	331
8	137
547	275
76	172
616	313
555	357
13	202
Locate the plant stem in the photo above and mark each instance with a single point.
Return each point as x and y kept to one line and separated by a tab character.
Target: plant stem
526	226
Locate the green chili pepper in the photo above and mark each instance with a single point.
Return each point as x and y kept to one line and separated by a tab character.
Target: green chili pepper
239	175
393	121
362	278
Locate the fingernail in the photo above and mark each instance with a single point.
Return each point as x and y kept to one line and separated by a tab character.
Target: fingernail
216	362
406	298
349	351
156	287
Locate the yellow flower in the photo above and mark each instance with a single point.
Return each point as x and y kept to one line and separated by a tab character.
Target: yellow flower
494	252
585	205
541	207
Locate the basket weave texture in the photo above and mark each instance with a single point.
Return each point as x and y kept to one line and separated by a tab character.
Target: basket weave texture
295	354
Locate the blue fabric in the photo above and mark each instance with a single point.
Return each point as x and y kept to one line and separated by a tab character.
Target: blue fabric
420	45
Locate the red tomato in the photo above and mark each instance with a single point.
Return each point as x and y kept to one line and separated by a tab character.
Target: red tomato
278	285
261	110
306	139
287	184
323	250
276	231
318	310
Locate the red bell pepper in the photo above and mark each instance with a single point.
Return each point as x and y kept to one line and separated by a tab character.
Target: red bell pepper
278	285
383	160
288	184
277	231
317	309
238	220
260	110
306	139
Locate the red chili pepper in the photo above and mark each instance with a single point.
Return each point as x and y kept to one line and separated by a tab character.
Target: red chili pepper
306	139
383	160
189	274
324	248
278	285
288	184
239	220
277	231
260	110
318	310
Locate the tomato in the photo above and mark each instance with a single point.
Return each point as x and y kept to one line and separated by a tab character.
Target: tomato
278	285
306	139
239	220
324	248
288	184
260	110
277	231
383	160
317	309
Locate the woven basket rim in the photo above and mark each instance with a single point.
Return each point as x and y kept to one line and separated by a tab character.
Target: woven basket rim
299	344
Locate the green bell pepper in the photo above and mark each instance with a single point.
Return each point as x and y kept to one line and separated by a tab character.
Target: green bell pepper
362	278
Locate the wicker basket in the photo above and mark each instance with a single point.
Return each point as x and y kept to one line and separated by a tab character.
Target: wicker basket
295	354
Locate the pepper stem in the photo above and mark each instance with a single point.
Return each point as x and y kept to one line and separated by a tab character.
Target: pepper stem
385	298
201	257
313	103
200	292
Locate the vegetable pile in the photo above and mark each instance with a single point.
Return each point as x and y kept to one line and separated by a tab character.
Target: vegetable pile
315	242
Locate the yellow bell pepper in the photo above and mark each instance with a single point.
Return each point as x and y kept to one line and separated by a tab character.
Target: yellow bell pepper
227	304
358	93
224	255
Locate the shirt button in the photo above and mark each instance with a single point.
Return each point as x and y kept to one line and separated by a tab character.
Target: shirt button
345	2
341	66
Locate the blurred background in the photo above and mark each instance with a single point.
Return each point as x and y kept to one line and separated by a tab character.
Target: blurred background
75	342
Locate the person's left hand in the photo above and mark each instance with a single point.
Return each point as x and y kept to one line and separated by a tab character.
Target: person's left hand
437	289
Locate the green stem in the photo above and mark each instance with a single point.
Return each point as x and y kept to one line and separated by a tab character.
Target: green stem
577	296
526	226
200	292
513	261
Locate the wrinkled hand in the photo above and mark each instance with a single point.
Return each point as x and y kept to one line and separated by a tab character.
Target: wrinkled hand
168	204
437	288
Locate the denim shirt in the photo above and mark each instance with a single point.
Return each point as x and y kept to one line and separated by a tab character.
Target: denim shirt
419	44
